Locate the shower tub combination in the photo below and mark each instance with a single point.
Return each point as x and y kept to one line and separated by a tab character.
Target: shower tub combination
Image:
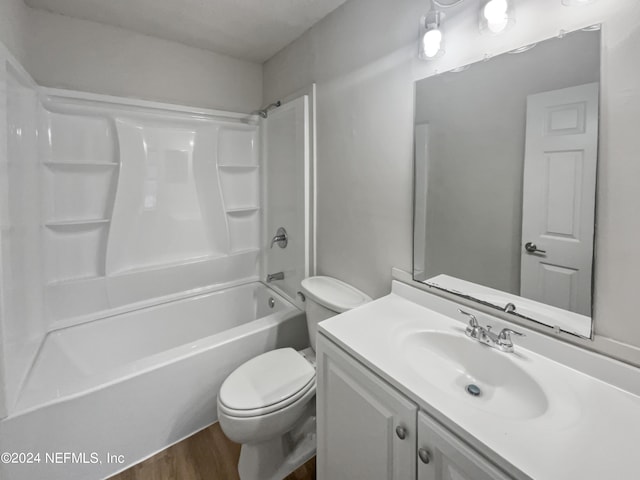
133	238
132	384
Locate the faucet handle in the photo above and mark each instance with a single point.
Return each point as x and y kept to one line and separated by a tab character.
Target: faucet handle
504	339
473	321
281	238
473	328
506	333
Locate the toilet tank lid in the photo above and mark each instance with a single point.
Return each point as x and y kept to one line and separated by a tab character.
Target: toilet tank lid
333	293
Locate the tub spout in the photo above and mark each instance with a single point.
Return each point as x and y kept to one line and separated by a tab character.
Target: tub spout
275	276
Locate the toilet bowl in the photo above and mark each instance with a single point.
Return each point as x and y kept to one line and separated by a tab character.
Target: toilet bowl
268	403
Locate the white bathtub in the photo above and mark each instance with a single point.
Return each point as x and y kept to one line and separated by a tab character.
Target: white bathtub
134	383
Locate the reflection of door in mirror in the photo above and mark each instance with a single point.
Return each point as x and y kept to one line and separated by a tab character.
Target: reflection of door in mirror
559	197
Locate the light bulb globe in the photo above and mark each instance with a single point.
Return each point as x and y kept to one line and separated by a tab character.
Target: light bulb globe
495	11
432	43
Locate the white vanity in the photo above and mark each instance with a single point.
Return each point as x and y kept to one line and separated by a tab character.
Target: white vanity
404	393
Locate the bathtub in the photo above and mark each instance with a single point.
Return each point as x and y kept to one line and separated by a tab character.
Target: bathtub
106	394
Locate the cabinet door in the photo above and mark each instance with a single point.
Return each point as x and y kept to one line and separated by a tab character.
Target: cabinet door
366	429
442	456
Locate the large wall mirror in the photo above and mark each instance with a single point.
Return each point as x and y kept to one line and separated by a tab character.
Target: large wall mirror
505	180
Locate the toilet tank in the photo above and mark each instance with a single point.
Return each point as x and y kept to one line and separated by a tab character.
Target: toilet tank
326	297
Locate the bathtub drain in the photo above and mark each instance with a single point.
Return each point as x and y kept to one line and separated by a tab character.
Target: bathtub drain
272	302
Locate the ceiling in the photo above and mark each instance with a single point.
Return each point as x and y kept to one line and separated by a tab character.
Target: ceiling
252	30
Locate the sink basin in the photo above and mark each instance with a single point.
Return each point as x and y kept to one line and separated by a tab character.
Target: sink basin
484	377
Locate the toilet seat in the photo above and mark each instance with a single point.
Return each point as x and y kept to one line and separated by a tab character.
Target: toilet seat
271	408
267	383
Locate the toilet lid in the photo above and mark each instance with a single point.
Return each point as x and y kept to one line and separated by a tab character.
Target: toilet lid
266	380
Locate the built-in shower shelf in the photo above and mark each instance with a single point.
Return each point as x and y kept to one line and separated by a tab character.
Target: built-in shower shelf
242	210
246	250
73	224
239	167
75	280
81	164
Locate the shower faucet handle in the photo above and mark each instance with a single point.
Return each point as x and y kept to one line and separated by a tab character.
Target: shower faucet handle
281	238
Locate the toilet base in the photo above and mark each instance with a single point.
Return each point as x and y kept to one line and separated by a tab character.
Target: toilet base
276	458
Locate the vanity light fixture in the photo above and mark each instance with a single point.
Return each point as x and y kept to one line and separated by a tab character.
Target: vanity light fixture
496	16
432	39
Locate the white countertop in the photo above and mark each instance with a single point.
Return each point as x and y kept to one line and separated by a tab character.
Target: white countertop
589	429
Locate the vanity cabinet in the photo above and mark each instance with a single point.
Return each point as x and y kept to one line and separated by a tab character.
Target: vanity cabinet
368	430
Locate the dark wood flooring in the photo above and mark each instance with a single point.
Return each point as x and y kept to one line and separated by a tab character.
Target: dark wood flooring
207	455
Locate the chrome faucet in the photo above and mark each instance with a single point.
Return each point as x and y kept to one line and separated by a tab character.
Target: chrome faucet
275	276
502	341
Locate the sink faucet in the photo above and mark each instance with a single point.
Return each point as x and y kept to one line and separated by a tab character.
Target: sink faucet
502	341
275	276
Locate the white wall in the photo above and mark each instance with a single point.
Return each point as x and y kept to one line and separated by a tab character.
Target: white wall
364	59
64	52
13	19
364	135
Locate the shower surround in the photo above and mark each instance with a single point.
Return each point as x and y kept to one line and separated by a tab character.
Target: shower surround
131	240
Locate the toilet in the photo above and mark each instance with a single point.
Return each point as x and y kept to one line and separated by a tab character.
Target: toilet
268	403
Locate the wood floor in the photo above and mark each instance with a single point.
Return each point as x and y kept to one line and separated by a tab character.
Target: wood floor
207	455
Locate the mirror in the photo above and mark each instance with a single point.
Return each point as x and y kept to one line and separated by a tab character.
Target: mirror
505	180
